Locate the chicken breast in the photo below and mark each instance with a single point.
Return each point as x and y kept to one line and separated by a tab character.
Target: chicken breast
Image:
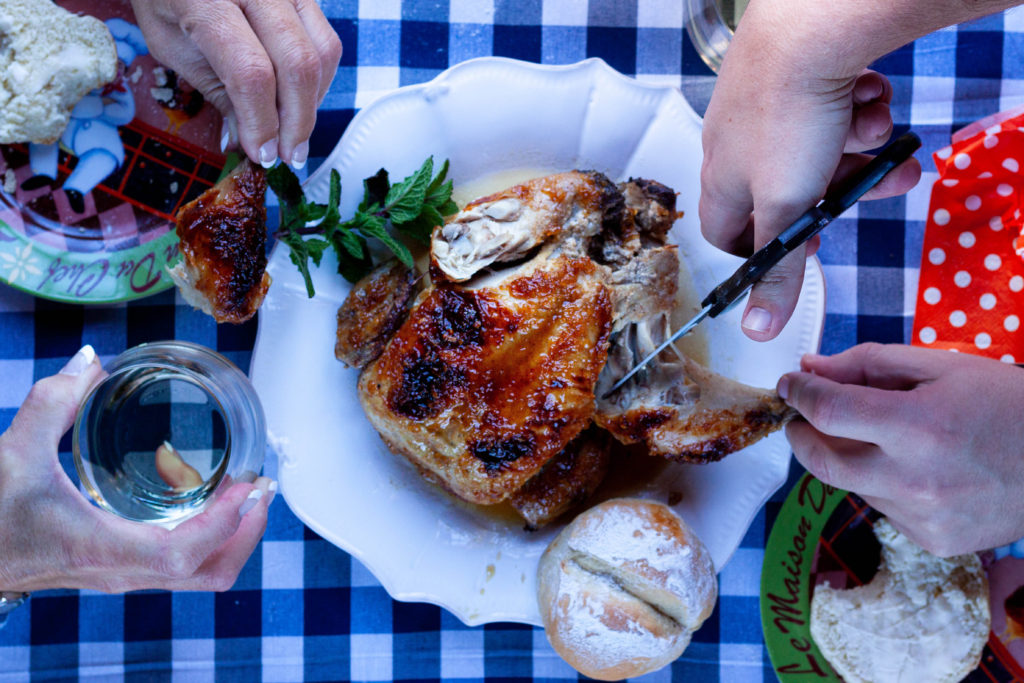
483	386
222	235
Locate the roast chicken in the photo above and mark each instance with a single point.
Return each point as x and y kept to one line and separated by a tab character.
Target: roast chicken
222	235
488	378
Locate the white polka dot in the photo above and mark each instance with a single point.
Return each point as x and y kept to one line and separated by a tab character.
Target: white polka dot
946	151
936	256
962	160
941	216
966	239
991	141
962	278
973	203
983	341
927	335
953	350
996	223
950	182
957	318
932	295
1016	213
1007	358
1004	190
987	301
1011	323
1016	283
985	175
1011	165
992	262
993	130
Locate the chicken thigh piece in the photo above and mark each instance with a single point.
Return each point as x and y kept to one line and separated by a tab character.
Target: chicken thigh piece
222	235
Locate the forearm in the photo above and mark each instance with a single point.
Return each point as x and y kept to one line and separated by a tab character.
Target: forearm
838	38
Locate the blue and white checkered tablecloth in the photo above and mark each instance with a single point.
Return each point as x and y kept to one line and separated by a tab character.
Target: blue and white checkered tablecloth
302	609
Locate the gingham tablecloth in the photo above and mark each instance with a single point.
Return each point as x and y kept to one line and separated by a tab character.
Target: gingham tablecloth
303	610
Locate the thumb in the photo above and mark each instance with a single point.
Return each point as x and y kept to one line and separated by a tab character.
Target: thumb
50	408
773	298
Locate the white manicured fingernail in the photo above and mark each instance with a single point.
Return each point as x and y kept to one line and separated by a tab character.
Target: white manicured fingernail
268	153
300	155
250	502
758	320
228	132
272	488
80	361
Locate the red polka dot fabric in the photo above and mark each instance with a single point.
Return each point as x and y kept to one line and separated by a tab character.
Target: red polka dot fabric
971	284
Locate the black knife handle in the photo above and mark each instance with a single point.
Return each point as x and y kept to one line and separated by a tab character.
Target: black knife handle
810	223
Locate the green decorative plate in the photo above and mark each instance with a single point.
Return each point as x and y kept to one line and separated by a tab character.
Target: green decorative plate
825	534
89	219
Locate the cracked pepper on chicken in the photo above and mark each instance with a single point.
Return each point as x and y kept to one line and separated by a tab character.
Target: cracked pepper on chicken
539	298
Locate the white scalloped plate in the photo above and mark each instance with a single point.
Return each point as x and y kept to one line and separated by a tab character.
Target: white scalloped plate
489	115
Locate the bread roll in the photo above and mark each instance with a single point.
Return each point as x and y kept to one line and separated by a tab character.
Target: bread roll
49	59
622	588
921	619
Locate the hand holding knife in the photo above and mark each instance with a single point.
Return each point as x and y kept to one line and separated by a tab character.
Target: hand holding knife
809	224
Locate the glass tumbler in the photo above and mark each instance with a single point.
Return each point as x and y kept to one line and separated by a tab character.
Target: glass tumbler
710	25
173	423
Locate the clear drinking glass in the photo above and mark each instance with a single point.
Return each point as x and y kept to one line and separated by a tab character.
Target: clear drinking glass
173	423
710	25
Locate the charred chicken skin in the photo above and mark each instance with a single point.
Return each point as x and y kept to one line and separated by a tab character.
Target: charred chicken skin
222	235
541	296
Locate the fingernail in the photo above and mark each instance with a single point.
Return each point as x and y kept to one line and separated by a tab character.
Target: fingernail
250	502
783	387
300	155
268	153
80	361
273	490
228	132
757	319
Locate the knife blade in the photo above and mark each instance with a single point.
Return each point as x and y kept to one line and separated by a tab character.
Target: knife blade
809	224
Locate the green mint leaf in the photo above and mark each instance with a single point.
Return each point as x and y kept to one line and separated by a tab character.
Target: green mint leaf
375	190
286	186
448	208
421	228
349	241
405	199
353	270
299	255
435	184
440	195
316	248
374	226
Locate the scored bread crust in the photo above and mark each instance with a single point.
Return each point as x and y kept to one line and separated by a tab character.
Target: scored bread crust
623	587
49	59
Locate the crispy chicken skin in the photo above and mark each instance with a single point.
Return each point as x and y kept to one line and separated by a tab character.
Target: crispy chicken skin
222	236
482	386
372	312
542	296
566	481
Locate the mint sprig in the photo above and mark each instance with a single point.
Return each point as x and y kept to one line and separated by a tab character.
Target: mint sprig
412	207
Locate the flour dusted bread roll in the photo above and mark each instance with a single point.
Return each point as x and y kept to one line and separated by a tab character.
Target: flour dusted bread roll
623	587
49	59
921	619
